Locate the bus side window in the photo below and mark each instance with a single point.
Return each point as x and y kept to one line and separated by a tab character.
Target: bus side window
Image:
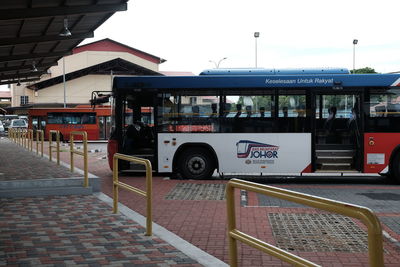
214	110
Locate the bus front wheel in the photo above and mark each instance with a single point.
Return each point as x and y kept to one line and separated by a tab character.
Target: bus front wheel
196	163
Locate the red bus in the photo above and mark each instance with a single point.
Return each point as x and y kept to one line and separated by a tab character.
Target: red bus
96	122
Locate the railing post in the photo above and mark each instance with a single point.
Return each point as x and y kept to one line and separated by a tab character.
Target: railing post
37	142
84	154
71	150
57	147
230	204
41	141
30	139
115	185
85	160
147	193
24	138
149	197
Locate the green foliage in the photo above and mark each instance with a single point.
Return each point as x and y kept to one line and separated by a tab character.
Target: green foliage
365	70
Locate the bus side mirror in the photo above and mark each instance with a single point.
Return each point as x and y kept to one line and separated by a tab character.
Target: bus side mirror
99	98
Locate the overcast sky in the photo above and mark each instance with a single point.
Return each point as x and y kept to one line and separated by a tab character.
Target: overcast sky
293	34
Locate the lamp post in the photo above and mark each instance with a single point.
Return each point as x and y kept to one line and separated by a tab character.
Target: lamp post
256	35
219	62
65	32
355	41
65	91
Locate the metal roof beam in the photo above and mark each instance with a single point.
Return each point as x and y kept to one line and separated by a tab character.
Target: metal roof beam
21	81
43	39
34	56
26	67
22	75
29	13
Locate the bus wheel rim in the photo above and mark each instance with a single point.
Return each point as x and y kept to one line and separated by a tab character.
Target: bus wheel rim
196	165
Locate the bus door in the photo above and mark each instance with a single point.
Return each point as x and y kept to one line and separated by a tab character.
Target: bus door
104	127
337	134
138	138
38	123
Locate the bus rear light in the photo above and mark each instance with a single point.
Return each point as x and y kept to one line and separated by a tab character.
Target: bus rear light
263	167
371	141
166	141
166	167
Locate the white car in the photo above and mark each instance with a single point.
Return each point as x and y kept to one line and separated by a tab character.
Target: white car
18	123
1	128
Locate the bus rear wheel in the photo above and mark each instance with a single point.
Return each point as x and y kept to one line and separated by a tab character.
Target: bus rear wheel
196	163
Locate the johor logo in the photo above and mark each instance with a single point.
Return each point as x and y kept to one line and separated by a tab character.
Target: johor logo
256	150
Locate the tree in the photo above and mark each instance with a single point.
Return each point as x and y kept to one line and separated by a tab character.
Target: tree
365	70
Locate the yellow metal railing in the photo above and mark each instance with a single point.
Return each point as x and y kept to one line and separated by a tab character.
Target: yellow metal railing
19	136
365	215
41	140
23	136
82	153
147	193
57	146
11	134
30	139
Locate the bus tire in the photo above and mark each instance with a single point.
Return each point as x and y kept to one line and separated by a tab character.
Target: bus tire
196	163
395	171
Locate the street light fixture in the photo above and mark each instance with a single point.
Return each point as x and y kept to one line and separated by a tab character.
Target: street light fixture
256	35
65	32
34	69
355	41
219	62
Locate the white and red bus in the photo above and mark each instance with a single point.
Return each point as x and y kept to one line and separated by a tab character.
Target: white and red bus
261	122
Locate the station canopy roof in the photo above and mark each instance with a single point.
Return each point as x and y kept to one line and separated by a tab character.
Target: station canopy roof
30	40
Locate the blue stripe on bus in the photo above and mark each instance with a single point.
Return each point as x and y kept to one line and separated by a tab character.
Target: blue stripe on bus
256	81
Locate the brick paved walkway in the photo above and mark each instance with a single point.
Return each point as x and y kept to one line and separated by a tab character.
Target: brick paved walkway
203	222
77	231
18	163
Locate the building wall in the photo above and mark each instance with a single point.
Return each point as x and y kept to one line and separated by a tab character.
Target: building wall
89	58
17	92
77	91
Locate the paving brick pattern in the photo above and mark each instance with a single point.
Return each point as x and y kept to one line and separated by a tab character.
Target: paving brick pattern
21	164
203	222
77	231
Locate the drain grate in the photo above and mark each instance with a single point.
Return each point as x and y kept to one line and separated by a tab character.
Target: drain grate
188	191
317	233
381	196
